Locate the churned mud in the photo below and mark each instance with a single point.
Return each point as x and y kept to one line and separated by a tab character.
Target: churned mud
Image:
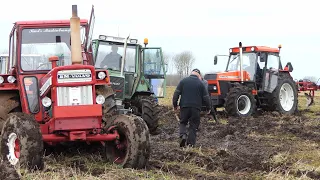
265	146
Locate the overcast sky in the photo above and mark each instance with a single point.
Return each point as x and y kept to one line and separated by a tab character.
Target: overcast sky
204	27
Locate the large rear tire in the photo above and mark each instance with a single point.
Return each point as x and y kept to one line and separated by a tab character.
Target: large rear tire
21	141
284	98
9	102
147	108
133	150
240	102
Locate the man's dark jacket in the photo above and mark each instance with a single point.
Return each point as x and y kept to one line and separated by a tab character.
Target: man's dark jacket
193	93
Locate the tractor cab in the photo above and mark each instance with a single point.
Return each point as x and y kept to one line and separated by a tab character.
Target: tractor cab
133	68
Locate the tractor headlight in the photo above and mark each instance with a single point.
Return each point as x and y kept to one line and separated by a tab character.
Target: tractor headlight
101	75
100	99
1	79
252	48
11	79
46	102
214	87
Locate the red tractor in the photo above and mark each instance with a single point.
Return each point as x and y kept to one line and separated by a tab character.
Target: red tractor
307	85
55	95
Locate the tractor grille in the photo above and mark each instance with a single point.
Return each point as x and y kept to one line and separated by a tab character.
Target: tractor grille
117	84
69	96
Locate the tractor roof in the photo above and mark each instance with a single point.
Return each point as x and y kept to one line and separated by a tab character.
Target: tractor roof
255	48
40	22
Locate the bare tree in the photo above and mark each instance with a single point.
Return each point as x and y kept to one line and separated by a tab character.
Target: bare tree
311	78
183	63
167	58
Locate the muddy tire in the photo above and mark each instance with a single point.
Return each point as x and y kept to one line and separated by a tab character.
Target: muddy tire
147	108
134	150
21	142
109	107
240	102
9	102
284	98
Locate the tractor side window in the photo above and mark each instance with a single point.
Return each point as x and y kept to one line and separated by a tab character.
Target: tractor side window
31	89
153	64
109	56
273	62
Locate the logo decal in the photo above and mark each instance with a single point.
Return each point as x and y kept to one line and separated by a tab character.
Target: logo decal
73	76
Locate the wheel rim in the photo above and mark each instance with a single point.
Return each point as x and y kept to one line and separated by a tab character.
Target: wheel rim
119	150
243	104
14	149
286	97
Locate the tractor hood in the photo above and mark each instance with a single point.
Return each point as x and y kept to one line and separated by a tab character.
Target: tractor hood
227	76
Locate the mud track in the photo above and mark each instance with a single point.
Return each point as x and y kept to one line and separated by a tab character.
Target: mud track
235	149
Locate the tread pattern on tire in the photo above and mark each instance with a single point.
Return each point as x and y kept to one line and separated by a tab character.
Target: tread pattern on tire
30	137
138	137
150	111
231	100
273	98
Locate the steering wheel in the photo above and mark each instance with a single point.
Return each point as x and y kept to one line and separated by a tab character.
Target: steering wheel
48	63
27	62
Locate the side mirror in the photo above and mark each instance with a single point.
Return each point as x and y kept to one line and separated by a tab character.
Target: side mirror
215	61
166	68
289	67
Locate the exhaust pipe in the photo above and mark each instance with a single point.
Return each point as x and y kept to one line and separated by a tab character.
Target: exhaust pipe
76	55
241	61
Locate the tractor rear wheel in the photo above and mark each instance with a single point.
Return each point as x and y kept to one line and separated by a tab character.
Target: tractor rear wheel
284	98
133	148
240	102
9	102
147	108
21	141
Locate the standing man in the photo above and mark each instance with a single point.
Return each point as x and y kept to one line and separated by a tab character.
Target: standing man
193	93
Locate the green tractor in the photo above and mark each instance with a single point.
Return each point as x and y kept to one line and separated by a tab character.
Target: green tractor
137	75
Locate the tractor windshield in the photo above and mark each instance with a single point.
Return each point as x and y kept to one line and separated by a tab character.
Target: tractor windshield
39	44
110	53
249	63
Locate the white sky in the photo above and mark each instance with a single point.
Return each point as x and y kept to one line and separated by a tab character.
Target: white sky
204	27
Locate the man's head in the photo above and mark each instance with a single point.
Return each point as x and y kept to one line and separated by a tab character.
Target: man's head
114	49
197	73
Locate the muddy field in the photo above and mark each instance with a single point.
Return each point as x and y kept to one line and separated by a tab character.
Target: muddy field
268	146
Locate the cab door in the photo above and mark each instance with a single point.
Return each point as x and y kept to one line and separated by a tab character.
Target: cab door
271	72
154	70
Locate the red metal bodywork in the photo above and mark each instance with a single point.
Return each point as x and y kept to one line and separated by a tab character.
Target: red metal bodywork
256	49
68	123
307	85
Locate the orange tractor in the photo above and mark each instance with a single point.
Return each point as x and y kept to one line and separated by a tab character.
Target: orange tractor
254	78
51	93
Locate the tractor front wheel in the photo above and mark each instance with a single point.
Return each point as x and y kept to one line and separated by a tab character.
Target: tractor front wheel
21	142
240	102
132	150
147	108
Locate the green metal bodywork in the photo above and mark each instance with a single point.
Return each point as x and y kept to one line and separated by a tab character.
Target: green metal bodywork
141	80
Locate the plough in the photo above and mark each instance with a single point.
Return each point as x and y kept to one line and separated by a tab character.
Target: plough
308	85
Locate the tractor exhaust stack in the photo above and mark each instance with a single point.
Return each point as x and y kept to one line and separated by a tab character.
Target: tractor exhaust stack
76	55
241	61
